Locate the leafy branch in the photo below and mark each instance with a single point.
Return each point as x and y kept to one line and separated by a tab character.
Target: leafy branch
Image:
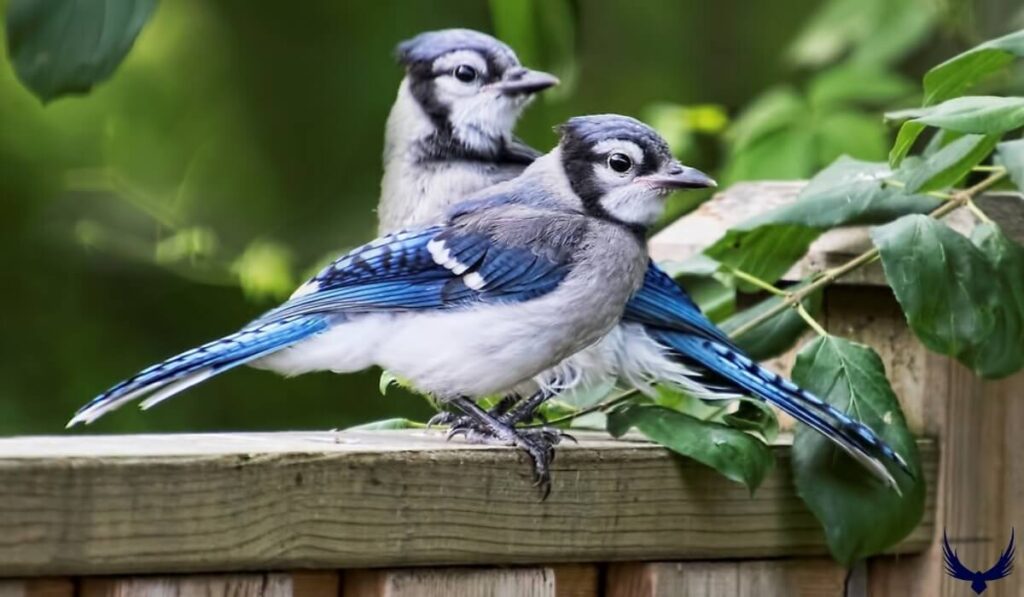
953	202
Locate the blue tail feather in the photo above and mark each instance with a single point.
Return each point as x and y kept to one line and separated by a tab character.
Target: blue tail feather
207	360
724	361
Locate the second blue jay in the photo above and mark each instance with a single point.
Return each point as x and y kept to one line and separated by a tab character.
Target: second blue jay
517	278
447	137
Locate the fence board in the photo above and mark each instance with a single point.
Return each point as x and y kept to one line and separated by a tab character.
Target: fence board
764	578
273	501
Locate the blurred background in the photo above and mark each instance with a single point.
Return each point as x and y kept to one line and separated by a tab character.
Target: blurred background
237	148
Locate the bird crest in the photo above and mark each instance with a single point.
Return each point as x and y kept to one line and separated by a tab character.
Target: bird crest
979	579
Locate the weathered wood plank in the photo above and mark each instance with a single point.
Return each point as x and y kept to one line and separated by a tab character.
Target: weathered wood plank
695	232
576	580
184	503
220	585
450	582
756	578
37	587
982	488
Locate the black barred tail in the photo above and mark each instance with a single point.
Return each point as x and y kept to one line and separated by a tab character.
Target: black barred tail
159	382
725	363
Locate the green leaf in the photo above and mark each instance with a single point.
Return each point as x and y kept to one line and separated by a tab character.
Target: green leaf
264	270
858	135
951	163
1003	351
976	114
945	285
756	416
397	423
515	22
778	334
765	250
61	47
773	110
856	83
543	36
558	42
387	378
694	265
735	454
1010	155
909	132
831	30
848	192
187	244
873	32
715	298
679	124
787	154
899	28
861	516
956	75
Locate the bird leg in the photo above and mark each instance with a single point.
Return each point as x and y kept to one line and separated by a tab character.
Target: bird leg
451	419
482	427
526	410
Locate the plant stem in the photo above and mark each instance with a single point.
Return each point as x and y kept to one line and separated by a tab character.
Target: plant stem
957	199
989	168
600	406
811	321
971	205
758	282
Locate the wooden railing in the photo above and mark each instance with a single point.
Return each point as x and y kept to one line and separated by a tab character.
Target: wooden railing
407	513
144	504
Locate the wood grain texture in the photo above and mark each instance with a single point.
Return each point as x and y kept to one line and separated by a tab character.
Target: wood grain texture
187	503
37	587
981	488
567	580
756	578
451	582
222	585
576	580
695	232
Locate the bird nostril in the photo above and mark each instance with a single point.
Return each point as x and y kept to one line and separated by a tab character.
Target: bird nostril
515	75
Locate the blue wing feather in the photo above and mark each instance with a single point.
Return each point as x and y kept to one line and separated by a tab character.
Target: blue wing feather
661	303
675	321
251	343
397	272
400	273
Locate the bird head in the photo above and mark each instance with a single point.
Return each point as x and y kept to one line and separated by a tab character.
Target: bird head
621	169
469	84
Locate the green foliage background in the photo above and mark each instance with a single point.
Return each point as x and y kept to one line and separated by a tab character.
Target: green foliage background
238	145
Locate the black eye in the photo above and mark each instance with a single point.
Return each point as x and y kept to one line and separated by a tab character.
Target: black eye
620	162
465	73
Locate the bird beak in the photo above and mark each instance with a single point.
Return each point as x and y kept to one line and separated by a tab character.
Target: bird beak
679	177
523	81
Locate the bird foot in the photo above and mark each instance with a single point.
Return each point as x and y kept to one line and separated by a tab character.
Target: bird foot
538	443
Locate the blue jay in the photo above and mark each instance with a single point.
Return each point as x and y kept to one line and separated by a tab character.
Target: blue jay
663	338
449	133
517	278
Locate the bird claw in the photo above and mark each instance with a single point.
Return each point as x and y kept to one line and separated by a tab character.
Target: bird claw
443	419
538	443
